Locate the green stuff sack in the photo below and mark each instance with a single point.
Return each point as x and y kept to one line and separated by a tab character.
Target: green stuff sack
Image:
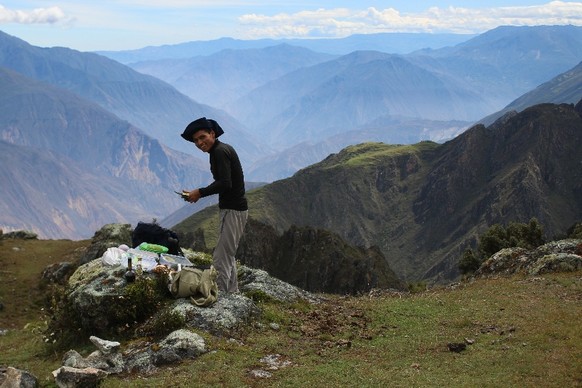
144	246
198	284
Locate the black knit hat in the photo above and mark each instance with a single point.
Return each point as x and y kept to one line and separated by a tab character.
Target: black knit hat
201	123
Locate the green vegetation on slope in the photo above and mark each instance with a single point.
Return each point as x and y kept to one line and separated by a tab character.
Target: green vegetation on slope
524	332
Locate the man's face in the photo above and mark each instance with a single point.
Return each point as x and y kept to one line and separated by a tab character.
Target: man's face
204	140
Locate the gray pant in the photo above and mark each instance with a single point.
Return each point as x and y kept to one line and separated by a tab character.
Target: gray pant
232	225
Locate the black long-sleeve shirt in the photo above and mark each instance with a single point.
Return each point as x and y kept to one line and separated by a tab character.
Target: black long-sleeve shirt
228	177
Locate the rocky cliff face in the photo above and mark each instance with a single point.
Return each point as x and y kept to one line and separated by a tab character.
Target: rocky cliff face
316	260
525	165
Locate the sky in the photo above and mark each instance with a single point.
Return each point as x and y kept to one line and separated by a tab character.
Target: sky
94	25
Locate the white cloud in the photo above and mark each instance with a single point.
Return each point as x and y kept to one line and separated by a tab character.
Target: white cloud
343	22
50	15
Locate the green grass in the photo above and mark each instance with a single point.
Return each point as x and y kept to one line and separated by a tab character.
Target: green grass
525	333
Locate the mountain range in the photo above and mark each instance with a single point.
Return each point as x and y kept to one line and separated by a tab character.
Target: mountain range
325	96
71	166
117	130
387	42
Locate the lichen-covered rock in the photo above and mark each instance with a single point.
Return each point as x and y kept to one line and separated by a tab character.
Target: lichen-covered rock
251	280
179	345
229	313
67	377
506	261
58	272
13	377
556	256
557	262
94	289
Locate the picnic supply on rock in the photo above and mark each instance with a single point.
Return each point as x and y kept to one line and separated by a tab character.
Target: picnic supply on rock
139	267
129	274
173	261
157	248
153	233
197	284
148	259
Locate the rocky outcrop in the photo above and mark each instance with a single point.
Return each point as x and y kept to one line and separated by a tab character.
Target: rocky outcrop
96	292
19	235
315	260
556	256
141	357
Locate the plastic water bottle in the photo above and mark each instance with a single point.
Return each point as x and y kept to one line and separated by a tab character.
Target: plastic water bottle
139	267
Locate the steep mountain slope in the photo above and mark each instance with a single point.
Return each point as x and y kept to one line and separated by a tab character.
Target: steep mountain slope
126	172
507	62
564	88
423	204
223	77
50	195
146	102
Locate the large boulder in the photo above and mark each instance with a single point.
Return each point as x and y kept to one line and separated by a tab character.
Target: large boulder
96	291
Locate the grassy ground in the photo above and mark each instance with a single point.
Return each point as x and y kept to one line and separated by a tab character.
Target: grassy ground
519	332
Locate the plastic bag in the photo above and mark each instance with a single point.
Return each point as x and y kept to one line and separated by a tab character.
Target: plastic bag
113	256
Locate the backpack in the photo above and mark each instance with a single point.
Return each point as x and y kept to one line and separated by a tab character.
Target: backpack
153	233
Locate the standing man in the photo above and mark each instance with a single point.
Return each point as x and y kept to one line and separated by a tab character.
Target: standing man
229	185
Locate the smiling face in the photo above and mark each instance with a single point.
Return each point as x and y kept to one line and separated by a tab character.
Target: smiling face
204	139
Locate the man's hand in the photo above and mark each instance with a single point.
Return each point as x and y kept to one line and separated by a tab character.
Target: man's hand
193	196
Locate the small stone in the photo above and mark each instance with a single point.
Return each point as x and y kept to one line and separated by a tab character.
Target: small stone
456	347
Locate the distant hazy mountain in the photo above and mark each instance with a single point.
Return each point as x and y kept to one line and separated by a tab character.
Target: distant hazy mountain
148	103
337	96
396	43
506	62
117	173
465	82
50	195
564	88
221	78
424	204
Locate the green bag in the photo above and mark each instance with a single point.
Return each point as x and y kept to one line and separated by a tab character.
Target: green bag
198	284
156	248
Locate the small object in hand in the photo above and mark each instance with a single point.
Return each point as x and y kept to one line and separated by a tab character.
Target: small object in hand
184	194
